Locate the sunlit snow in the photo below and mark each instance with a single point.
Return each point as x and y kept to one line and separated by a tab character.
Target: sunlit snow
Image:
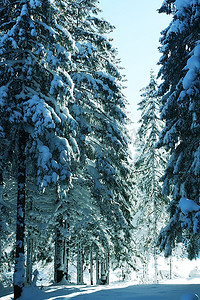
184	285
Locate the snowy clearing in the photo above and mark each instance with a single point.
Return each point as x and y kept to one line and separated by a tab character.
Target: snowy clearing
117	291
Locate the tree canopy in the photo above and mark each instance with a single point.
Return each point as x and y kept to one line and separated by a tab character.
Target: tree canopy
180	110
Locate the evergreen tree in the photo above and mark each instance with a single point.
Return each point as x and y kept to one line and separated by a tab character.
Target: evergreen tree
168	6
35	89
99	109
149	167
180	110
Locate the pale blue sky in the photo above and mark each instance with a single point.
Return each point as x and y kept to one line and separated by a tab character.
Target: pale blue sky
138	26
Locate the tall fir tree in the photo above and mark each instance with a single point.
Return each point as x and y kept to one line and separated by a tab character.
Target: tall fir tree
180	92
149	167
35	90
99	110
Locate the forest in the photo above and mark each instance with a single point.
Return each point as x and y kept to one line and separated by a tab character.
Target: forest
71	191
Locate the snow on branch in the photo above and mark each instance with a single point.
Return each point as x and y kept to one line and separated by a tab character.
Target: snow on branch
190	214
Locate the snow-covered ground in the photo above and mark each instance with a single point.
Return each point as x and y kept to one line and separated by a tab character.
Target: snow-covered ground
125	291
185	282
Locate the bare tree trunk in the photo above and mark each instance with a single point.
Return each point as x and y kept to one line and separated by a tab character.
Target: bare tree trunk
170	268
146	266
58	261
103	272
107	268
19	272
29	259
65	258
67	277
123	275
97	268
91	266
66	254
80	264
102	267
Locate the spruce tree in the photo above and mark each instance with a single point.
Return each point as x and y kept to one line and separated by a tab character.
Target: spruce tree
35	90
149	167
168	6
99	109
180	110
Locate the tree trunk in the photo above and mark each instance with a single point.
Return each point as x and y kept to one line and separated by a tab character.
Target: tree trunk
66	254
97	268
103	277
107	268
102	267
145	272
80	264
58	262
29	259
123	275
67	260
91	266
19	272
170	268
146	266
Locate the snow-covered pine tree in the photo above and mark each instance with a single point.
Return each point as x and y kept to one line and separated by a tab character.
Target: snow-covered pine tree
168	7
35	88
149	167
180	90
100	111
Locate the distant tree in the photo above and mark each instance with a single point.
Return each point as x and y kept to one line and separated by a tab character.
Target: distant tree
180	65
149	167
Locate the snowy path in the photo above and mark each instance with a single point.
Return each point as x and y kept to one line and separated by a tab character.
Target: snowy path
112	292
